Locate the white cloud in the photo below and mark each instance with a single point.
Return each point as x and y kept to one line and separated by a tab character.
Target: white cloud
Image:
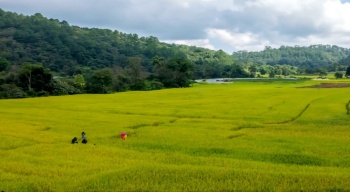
196	42
234	40
337	15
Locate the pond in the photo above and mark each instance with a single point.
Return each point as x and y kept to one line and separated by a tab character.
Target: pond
230	80
215	80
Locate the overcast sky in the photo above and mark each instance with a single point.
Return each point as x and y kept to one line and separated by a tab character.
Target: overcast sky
230	25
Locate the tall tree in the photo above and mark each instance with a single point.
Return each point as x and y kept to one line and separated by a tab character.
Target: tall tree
3	64
239	72
338	75
100	81
34	77
79	81
176	72
347	74
136	73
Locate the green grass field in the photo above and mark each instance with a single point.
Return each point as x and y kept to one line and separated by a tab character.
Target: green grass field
244	136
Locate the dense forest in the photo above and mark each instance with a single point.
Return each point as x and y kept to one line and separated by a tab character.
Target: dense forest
41	56
308	59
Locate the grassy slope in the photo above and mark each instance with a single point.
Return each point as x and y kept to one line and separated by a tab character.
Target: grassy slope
240	136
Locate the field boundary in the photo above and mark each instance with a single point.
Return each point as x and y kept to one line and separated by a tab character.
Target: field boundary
294	118
176	117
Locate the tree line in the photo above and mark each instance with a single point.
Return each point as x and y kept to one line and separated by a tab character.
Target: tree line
30	80
309	59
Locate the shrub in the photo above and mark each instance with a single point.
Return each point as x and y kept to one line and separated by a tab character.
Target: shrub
42	93
11	91
153	85
338	75
61	87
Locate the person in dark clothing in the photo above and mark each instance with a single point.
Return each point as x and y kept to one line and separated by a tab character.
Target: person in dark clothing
83	137
74	140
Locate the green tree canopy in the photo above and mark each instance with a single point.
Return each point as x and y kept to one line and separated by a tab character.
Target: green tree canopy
347	73
338	75
100	81
34	77
3	64
176	72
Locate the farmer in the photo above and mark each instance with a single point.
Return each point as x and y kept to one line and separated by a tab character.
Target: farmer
123	135
74	140
83	137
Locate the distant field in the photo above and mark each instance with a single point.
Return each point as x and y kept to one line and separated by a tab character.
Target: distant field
244	136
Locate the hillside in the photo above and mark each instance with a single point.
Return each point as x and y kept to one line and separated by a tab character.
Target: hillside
69	50
311	57
35	49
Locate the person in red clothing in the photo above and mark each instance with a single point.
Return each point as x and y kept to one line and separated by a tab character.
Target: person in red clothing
123	135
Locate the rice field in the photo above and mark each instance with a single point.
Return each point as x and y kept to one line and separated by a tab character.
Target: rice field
244	136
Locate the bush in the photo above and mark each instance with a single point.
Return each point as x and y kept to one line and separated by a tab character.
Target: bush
338	75
43	94
8	91
61	87
153	85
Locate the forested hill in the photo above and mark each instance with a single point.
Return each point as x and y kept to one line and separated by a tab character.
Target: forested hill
69	50
309	57
41	56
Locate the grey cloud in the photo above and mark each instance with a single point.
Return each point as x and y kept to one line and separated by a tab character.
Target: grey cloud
264	21
164	19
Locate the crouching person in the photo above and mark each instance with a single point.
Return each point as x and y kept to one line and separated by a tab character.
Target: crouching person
74	140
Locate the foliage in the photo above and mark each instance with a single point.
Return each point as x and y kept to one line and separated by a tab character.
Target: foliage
338	75
34	77
239	72
120	81
69	49
345	61
34	49
79	81
100	81
153	85
135	73
63	87
3	64
310	58
322	72
8	91
347	73
176	72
